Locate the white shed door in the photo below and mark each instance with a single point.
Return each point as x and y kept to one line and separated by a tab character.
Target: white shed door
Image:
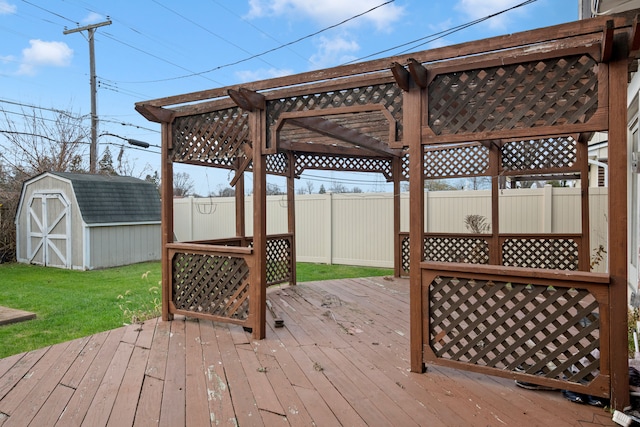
49	230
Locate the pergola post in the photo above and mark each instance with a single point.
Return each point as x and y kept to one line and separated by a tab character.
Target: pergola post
291	211
166	213
412	107
258	295
396	167
619	363
240	204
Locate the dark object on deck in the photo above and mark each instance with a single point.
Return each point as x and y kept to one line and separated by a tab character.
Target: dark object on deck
277	320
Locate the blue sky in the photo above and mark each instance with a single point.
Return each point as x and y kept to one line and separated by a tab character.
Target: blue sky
157	48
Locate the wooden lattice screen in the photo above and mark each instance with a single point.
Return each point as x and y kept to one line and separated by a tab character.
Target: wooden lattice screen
548	92
215	285
538	326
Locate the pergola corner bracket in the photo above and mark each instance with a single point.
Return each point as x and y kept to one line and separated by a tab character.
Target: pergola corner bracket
401	76
419	73
247	99
607	41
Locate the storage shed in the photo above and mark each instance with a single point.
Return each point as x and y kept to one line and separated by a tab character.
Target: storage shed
84	222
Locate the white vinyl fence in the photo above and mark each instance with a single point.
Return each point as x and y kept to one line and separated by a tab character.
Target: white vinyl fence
357	228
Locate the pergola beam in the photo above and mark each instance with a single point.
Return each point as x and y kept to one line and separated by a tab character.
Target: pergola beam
305	147
351	136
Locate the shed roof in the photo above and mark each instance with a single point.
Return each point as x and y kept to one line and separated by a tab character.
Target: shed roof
114	199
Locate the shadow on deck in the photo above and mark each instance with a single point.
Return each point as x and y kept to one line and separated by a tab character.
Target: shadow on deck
342	358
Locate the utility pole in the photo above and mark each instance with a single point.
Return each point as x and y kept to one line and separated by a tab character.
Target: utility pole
93	148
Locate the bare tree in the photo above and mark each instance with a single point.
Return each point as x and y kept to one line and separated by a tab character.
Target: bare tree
182	184
34	145
309	185
39	144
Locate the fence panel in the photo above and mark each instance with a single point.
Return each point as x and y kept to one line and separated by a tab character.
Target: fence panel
357	229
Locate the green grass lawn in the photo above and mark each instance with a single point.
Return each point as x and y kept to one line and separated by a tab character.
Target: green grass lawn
72	304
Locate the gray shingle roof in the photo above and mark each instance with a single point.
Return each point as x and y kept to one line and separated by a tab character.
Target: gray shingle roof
114	199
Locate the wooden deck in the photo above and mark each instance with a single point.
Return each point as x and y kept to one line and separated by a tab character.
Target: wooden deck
342	358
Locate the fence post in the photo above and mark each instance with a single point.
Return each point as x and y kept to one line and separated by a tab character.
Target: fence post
547	209
328	214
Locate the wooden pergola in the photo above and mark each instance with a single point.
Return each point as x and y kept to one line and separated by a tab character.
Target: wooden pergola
522	306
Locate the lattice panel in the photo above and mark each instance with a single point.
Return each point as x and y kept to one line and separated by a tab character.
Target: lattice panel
389	95
405	252
548	153
211	137
466	160
541	253
550	92
540	330
405	167
277	164
456	249
339	163
211	284
279	259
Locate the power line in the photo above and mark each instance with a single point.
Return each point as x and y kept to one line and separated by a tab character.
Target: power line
208	31
240	61
112	37
35	107
440	34
51	12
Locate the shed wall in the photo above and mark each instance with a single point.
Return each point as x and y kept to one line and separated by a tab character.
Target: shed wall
111	246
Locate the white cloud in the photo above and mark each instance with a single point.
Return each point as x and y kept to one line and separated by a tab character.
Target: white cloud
261	74
7	8
328	12
333	51
475	9
42	54
91	18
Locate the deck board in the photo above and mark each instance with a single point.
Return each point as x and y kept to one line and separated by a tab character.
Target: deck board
342	358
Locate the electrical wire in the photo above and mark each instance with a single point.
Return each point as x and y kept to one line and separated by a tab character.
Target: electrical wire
209	31
257	55
440	34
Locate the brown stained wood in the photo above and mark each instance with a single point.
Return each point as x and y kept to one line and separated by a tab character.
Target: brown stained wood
79	404
131	333
157	362
124	408
166	215
220	405
401	76
102	403
284	391
363	380
244	403
83	362
14	373
20	391
54	406
413	116
261	388
308	359
373	391
332	130
257	290
145	337
9	362
149	404
47	377
418	73
173	397
607	41
617	238
318	409
197	410
542	35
